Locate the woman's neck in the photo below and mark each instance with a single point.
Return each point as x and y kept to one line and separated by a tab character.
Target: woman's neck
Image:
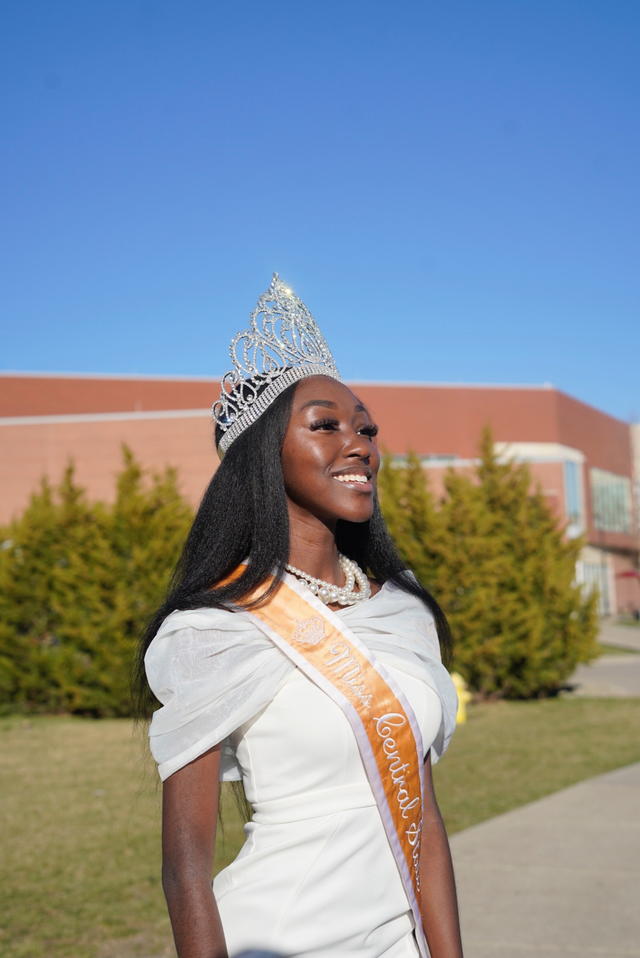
312	548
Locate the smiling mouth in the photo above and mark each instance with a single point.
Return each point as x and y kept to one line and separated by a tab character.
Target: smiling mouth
355	481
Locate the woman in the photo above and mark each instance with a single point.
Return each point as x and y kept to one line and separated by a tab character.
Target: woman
296	652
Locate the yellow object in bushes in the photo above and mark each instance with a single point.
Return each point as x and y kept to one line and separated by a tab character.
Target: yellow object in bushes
464	696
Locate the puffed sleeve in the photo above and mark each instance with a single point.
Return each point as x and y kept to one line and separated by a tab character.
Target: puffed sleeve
212	670
423	639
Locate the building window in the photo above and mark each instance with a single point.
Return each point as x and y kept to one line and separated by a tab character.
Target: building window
573	492
611	501
439	457
594	576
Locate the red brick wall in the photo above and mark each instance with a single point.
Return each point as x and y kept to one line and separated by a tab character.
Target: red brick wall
55	395
605	441
450	419
30	451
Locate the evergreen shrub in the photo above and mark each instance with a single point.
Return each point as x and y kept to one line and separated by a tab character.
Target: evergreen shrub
78	581
494	556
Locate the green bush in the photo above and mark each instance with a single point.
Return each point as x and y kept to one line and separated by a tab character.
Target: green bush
78	580
494	556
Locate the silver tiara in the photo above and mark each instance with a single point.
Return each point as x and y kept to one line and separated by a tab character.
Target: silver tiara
281	346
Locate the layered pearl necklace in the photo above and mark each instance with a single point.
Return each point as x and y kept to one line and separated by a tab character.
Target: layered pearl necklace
329	593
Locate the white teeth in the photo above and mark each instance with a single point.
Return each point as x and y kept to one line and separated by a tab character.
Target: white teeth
351	478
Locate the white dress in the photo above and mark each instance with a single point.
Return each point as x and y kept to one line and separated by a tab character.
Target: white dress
315	876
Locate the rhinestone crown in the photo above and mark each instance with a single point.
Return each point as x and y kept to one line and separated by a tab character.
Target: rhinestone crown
281	346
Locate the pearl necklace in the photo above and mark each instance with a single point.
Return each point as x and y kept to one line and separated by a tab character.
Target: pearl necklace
328	593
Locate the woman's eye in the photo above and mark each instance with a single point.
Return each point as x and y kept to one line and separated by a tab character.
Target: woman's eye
325	424
333	425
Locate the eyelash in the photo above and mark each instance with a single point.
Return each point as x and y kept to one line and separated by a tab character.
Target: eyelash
370	431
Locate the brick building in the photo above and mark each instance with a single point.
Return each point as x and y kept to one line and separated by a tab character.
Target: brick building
587	462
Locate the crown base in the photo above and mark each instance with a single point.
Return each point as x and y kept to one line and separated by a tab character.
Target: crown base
251	414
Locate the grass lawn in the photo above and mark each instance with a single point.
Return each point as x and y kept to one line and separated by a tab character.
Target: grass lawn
79	876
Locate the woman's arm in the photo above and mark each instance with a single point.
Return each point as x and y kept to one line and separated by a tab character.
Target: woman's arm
438	900
189	817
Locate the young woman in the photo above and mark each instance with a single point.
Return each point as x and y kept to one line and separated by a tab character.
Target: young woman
297	653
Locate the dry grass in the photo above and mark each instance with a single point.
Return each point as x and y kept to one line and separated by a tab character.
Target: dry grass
80	873
80	866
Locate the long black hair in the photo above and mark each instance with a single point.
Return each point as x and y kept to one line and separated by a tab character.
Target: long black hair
243	514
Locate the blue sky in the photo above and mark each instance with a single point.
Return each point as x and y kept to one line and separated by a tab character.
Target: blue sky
451	187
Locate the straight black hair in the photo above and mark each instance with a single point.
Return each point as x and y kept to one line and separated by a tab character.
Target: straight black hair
243	515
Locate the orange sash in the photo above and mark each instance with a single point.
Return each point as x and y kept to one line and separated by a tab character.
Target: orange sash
385	727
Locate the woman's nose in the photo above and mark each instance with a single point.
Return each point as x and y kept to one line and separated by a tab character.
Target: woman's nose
358	445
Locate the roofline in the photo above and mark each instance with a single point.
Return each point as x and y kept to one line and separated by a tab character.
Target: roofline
148	376
410	384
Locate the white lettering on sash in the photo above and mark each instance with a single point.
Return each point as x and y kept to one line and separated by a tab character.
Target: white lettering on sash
384	727
341	664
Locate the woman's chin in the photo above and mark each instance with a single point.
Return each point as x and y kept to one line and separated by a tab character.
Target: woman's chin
357	517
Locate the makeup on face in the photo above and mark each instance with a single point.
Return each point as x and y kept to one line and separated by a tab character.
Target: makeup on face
330	456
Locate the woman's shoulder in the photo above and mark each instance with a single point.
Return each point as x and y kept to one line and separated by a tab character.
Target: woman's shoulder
404	615
193	644
203	619
393	594
209	632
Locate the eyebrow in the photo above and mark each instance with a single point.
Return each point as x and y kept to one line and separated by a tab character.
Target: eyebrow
330	405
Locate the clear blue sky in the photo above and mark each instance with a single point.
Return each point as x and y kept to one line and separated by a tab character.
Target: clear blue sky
453	188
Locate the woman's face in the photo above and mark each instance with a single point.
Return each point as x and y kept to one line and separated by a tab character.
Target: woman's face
330	457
